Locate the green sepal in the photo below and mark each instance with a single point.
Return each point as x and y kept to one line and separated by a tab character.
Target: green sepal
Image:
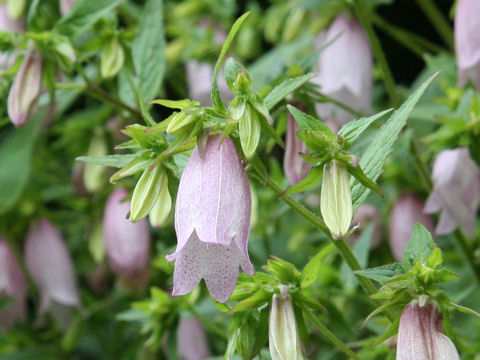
308	182
357	173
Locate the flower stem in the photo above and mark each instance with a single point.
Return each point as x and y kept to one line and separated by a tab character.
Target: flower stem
363	13
329	335
438	20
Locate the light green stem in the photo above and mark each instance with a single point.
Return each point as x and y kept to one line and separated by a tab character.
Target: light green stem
438	20
363	13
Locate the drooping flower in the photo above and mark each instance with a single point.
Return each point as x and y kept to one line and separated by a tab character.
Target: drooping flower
66	5
283	339
293	164
421	337
212	220
344	70
456	191
467	41
12	284
25	89
127	244
51	268
192	340
407	211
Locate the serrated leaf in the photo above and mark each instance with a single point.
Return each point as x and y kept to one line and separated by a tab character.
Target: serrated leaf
353	129
308	182
216	100
381	274
374	157
84	14
285	88
307	122
117	161
419	247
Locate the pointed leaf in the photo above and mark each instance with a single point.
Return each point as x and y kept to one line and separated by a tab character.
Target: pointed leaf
308	182
285	88
353	129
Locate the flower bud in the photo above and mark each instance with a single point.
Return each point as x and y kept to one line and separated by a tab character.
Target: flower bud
181	122
249	130
25	89
12	284
51	268
336	198
212	221
283	340
146	192
111	60
456	191
293	164
345	70
420	335
127	244
467	41
191	340
15	8
293	24
407	211
66	5
93	174
162	207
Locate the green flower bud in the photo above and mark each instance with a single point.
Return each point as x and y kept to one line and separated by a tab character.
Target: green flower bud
147	192
180	122
96	244
112	58
249	129
15	8
93	174
162	207
284	342
293	24
336	198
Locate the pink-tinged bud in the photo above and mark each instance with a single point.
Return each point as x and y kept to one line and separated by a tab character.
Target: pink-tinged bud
12	284
293	164
25	89
467	41
364	216
66	5
199	79
421	337
51	268
192	340
212	221
456	191
407	211
127	244
345	70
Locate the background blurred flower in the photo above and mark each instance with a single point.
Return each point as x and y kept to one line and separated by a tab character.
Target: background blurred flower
127	244
364	216
192	340
407	211
12	284
212	221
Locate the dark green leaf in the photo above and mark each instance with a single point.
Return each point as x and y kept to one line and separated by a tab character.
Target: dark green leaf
419	247
353	129
383	273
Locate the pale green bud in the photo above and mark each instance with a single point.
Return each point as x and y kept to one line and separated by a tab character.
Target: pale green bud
112	58
284	342
336	198
146	192
179	123
93	174
249	129
162	207
15	8
293	24
96	244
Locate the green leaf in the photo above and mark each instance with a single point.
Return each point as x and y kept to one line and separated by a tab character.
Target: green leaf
83	15
174	104
118	161
311	270
285	88
148	50
216	100
374	157
357	172
308	182
381	274
419	247
137	164
15	158
465	310
353	129
307	122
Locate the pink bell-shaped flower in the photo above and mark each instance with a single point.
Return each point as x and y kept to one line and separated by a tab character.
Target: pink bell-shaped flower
12	284
407	211
25	89
421	337
467	41
127	244
456	191
192	340
344	70
51	268
212	221
293	164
